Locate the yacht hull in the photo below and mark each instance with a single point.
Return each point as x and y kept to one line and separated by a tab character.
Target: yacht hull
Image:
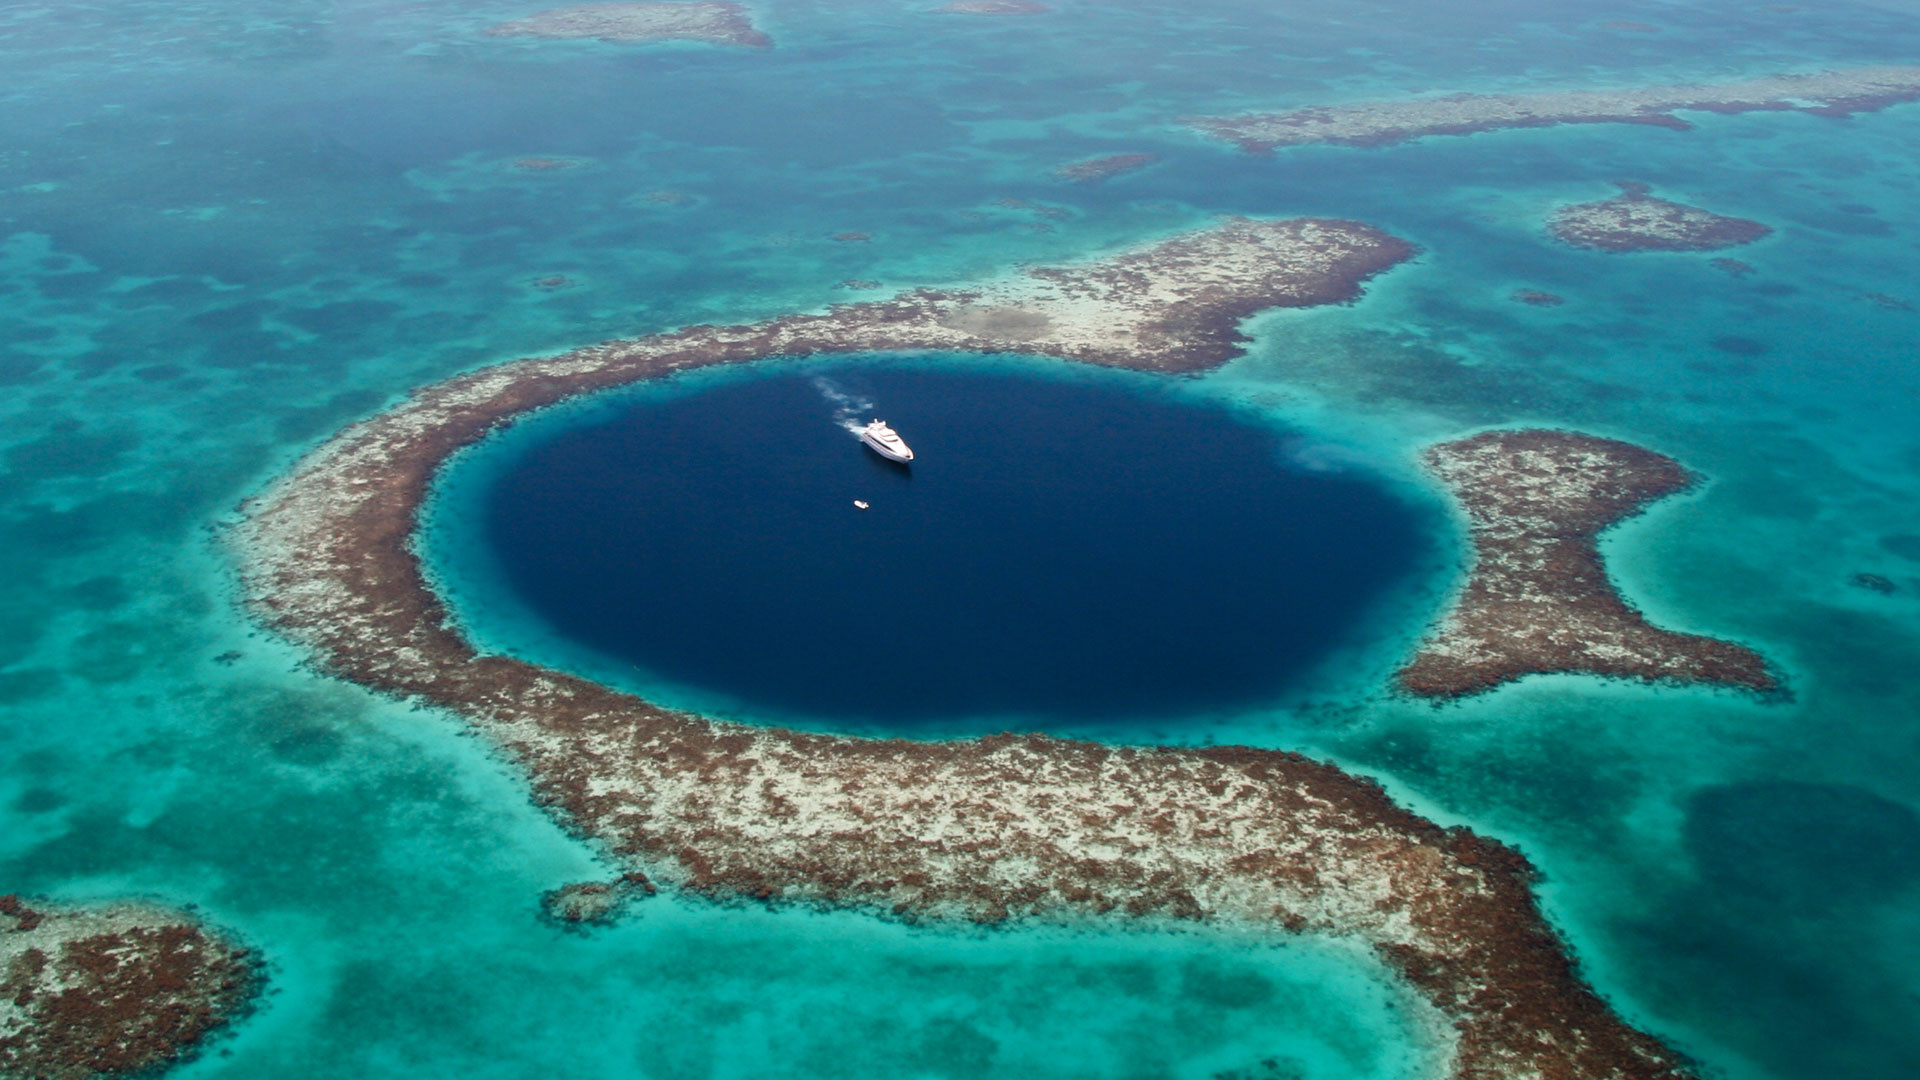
897	452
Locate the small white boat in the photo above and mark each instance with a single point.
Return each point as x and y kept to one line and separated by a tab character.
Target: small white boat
860	504
886	442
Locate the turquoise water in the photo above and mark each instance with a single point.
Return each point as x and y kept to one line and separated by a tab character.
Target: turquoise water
231	227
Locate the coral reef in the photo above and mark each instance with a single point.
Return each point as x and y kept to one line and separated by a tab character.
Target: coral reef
544	164
1636	221
1097	169
709	21
1879	583
1538	600
1379	123
987	829
588	904
111	990
995	7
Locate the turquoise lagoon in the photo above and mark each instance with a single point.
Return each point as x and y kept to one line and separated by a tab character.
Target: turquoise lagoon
230	228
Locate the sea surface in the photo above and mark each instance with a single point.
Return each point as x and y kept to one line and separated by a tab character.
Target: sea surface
1070	548
229	228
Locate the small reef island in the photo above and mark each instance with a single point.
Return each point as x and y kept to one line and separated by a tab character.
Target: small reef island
1094	170
995	7
1380	123
710	21
1004	827
1636	221
1538	600
111	990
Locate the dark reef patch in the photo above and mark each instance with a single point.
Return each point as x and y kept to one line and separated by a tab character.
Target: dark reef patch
1095	170
1905	545
1537	298
1879	583
1800	845
1735	345
588	904
25	684
1636	221
69	450
344	318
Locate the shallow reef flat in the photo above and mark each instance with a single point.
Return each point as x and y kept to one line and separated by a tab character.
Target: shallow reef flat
988	830
1379	123
718	23
1636	221
1538	600
111	990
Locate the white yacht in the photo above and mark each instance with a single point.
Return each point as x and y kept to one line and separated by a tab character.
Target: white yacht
886	442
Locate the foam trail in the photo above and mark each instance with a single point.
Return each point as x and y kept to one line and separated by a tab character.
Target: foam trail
1319	457
848	408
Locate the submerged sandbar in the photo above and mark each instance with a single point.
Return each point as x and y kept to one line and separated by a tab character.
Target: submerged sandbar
984	829
1379	123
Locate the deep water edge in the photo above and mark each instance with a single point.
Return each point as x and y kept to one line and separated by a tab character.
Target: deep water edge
232	228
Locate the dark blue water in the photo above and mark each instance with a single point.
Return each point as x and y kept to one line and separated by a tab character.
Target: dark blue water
1068	547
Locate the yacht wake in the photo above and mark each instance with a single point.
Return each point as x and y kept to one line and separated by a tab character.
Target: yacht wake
848	407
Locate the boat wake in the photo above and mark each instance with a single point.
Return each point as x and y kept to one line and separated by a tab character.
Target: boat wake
1319	457
848	407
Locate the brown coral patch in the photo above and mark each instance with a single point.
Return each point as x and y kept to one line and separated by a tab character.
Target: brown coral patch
1097	169
588	904
111	991
1879	583
1636	221
1538	599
